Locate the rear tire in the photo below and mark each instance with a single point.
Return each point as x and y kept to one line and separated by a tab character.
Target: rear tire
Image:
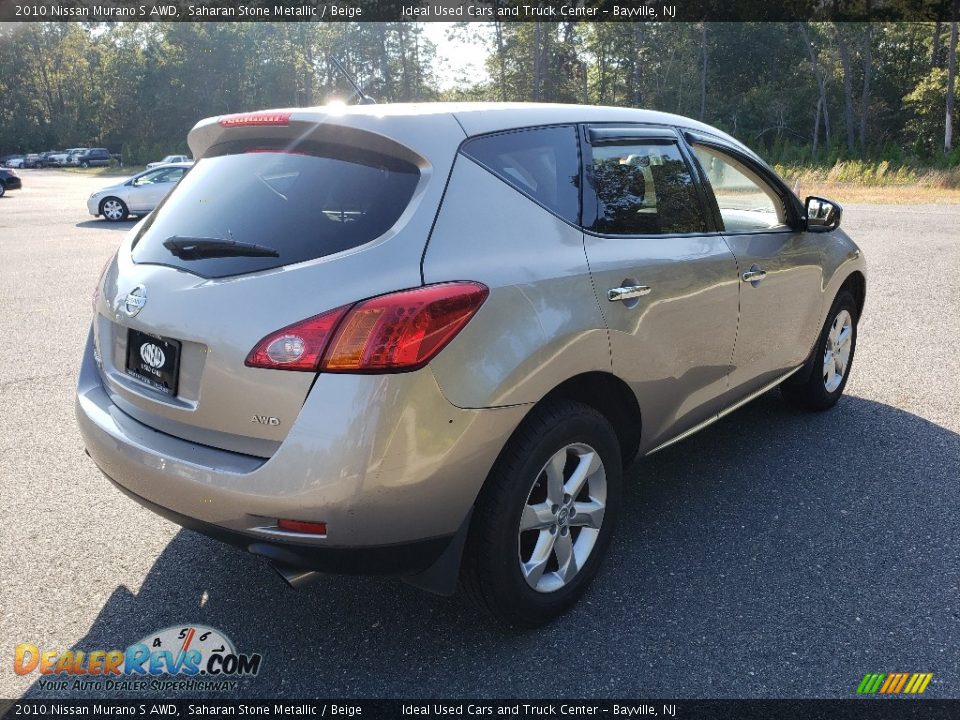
114	209
3	189
832	359
84	164
544	519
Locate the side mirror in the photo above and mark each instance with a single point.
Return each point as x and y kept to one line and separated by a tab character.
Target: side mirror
822	215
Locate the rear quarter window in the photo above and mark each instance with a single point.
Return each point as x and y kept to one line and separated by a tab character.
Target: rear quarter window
300	205
542	163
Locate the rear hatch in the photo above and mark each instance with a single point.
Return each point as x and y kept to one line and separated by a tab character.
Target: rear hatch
275	223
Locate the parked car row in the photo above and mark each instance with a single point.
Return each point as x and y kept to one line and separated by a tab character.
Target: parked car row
137	195
74	157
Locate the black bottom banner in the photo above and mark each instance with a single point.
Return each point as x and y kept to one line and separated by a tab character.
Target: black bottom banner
892	708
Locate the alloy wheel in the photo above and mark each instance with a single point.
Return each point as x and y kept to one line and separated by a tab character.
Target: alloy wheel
561	518
836	355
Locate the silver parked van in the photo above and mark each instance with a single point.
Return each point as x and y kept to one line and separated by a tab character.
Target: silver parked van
425	340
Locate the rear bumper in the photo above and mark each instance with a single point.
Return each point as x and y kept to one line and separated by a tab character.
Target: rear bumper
392	479
402	559
13	184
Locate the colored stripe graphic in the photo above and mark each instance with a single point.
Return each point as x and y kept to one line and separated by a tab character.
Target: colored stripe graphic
871	683
890	682
894	683
903	680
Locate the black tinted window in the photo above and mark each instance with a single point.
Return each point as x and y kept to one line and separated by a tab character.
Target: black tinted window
644	189
262	208
543	163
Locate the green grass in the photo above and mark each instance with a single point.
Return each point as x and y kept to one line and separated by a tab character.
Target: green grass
111	171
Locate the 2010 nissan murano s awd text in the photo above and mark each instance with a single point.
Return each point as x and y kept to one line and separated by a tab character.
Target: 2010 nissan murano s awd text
425	340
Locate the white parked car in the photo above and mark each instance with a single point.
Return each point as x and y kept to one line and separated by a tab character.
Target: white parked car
63	158
168	160
137	195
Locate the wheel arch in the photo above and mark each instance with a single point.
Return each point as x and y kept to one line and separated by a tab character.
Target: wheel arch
602	391
856	284
611	397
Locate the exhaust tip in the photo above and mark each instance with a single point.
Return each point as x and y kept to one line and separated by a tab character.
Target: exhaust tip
295	577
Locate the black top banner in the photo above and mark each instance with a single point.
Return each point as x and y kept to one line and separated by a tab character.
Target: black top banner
475	11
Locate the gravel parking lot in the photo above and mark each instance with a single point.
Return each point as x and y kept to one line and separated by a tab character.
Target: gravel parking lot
775	554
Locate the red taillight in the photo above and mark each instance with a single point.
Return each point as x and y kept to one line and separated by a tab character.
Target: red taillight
299	346
403	330
300	526
12	173
255	118
391	333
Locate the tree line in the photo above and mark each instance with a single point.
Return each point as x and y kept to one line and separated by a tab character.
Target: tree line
801	92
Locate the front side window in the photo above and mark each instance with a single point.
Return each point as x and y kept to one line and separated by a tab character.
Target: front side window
170	175
747	203
150	178
644	188
542	163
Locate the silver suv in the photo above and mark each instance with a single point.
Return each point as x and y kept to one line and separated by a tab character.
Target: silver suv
425	340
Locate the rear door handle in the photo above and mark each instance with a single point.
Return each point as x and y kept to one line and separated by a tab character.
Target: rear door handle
754	275
627	293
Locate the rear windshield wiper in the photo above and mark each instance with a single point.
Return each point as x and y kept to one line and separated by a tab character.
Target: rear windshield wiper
190	248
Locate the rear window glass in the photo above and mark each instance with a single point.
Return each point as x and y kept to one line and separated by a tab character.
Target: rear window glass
255	208
543	163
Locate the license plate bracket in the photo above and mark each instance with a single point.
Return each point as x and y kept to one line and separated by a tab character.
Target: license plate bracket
154	361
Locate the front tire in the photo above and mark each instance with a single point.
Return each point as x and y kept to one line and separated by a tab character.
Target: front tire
84	164
544	519
832	359
3	189
114	209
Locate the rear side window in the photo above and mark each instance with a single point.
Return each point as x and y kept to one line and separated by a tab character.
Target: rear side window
644	189
542	163
256	208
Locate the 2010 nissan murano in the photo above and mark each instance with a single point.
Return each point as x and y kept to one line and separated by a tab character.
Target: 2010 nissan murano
425	340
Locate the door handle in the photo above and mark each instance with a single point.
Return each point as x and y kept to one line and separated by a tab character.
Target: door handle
627	293
754	275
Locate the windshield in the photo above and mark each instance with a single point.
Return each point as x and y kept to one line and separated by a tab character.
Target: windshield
300	205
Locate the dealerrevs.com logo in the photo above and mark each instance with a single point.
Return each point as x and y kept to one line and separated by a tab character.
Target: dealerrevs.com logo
189	658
